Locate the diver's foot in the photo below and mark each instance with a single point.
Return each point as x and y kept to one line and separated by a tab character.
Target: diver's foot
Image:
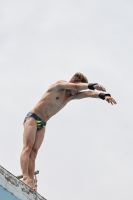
30	183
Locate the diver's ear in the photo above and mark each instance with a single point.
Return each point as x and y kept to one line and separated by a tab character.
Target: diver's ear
71	81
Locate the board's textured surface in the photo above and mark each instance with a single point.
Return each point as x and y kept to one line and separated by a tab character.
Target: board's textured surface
11	188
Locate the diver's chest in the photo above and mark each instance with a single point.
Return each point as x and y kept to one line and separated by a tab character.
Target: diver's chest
60	100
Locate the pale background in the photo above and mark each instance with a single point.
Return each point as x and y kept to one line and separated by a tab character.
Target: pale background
87	152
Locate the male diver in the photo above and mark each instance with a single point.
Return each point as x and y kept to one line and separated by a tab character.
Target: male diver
55	98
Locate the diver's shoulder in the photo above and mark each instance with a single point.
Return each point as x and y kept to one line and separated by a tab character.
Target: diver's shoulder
60	81
56	86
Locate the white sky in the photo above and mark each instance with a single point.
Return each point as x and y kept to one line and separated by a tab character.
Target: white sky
87	152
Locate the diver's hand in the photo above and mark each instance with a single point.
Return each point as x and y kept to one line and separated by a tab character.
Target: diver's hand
99	87
110	100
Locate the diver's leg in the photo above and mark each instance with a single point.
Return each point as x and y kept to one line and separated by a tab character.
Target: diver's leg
29	136
33	154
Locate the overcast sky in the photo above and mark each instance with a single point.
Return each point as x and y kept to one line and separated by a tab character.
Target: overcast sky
87	152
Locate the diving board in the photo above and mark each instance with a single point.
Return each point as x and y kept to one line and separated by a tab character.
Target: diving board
11	188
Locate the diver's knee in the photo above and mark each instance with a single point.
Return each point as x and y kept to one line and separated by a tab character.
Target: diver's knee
33	153
27	148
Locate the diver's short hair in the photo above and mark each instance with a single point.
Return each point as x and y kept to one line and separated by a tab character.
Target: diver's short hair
79	77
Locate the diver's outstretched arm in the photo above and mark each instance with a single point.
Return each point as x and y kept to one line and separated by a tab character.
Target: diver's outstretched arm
94	94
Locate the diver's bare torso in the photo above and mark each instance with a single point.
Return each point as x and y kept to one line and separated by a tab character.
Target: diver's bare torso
52	102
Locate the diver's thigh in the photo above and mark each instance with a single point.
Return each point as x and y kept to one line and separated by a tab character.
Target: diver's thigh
30	129
39	138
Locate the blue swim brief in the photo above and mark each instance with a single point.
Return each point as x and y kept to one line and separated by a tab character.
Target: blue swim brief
40	123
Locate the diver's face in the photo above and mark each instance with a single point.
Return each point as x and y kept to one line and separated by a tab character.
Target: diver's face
72	92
